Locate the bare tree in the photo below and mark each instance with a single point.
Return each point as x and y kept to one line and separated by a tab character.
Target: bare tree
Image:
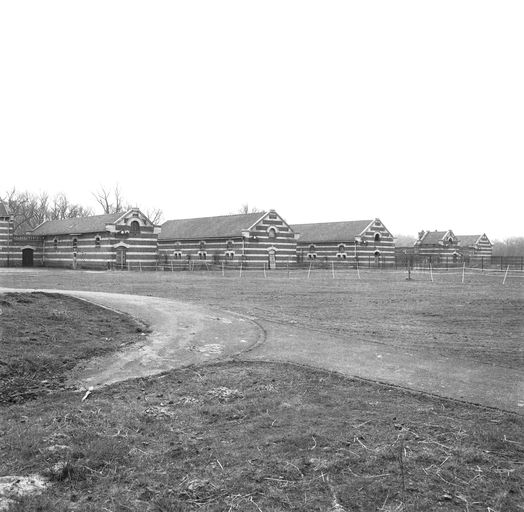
513	246
405	240
30	210
111	201
154	215
246	209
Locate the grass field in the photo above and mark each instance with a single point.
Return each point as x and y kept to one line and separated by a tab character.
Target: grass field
264	436
480	320
246	437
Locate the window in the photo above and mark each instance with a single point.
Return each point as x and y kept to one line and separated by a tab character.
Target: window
202	245
272	233
312	256
177	255
135	227
272	215
230	255
229	245
342	255
97	242
55	244
341	248
202	255
377	237
75	244
377	256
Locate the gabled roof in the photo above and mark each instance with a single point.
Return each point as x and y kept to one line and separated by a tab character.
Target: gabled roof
467	240
331	231
433	237
4	210
91	224
209	227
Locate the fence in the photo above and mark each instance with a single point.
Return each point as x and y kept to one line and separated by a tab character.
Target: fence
419	261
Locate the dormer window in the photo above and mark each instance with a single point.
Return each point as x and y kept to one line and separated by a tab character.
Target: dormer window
135	227
97	242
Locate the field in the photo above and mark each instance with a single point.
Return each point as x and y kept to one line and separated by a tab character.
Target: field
480	320
263	436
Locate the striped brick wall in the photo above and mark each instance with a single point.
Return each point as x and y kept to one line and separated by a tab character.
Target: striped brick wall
374	247
255	248
5	235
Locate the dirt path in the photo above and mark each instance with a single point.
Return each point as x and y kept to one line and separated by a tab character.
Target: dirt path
483	384
182	334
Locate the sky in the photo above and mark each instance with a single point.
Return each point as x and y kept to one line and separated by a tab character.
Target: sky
412	112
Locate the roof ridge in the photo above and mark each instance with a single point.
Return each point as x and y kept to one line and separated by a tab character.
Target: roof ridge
219	216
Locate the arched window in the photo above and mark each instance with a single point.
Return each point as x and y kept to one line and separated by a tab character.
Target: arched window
341	248
377	237
55	244
312	248
97	242
135	227
75	244
272	233
229	245
202	245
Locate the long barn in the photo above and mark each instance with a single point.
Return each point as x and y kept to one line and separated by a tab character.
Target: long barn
254	239
360	242
114	241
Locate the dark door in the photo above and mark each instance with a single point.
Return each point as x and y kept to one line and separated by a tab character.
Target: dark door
121	258
27	257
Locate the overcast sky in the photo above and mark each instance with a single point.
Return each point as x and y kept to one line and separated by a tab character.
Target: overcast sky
412	112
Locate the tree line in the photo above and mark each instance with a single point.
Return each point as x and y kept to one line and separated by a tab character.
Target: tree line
29	210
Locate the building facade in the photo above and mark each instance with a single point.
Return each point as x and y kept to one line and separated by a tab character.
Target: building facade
261	239
475	249
114	241
361	242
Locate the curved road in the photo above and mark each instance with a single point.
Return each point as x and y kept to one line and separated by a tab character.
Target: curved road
186	334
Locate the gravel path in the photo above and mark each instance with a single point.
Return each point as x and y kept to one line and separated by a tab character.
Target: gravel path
186	334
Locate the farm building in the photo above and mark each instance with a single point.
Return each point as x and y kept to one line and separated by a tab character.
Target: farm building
476	249
362	242
253	239
438	247
6	233
120	240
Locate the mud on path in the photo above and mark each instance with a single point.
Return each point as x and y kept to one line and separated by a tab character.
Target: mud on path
182	334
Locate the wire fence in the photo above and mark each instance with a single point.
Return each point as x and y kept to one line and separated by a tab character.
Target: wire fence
315	271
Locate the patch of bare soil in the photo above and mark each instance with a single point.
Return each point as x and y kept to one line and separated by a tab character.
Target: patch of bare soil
43	336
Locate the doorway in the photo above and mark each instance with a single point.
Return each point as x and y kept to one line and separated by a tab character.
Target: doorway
121	258
272	259
27	257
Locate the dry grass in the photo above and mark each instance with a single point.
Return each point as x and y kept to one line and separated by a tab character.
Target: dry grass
43	336
265	437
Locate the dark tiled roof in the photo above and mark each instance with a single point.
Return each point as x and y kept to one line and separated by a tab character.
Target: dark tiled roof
208	227
92	224
4	210
330	231
467	240
433	237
